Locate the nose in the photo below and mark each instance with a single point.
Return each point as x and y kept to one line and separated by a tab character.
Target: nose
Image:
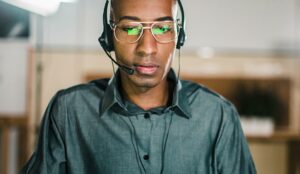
147	45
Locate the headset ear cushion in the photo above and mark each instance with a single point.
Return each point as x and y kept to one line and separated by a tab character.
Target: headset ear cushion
110	41
181	38
106	39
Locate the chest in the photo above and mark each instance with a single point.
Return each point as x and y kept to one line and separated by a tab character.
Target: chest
142	144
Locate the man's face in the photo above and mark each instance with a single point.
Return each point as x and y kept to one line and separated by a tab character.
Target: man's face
150	59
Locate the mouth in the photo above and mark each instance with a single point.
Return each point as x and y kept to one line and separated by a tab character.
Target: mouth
146	69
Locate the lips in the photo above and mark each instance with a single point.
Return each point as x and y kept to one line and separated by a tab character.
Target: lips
146	69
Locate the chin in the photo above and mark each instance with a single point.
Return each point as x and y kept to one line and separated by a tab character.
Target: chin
146	82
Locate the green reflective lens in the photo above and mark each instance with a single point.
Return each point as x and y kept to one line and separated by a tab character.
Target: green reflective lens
161	30
133	31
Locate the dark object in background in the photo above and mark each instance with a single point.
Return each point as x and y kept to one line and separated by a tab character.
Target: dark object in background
14	21
258	102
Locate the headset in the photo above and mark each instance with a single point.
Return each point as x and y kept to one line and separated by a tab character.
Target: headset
106	38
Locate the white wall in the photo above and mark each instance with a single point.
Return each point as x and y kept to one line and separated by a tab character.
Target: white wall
75	25
297	7
13	76
246	24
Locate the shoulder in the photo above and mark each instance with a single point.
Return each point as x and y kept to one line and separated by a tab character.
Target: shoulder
90	92
79	96
209	103
92	88
211	110
203	93
75	101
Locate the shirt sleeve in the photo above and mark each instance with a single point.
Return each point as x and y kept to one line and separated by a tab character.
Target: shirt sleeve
232	151
49	156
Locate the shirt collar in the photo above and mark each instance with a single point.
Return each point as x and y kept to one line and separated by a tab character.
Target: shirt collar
113	100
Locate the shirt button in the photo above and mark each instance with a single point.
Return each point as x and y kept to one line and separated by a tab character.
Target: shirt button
147	115
146	157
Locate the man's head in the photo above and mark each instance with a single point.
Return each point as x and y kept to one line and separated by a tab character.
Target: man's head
152	52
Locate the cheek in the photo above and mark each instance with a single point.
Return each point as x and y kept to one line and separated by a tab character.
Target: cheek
124	51
166	52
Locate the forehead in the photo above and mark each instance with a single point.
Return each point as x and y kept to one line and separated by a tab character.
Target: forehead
144	10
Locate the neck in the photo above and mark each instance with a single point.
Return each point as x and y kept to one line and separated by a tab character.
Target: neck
147	98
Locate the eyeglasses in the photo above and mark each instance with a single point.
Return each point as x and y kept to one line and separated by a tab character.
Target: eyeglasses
131	32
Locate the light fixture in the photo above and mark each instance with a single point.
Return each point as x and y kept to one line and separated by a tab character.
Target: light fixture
41	7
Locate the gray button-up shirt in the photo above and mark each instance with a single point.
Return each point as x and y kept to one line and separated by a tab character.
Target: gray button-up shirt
91	129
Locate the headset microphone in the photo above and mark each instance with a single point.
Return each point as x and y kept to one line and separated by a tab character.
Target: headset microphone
129	71
126	69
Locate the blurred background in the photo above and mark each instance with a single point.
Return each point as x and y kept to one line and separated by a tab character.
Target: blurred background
248	51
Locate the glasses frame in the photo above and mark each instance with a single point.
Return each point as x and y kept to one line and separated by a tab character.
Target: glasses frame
176	24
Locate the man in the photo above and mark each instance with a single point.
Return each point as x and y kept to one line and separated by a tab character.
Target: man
143	120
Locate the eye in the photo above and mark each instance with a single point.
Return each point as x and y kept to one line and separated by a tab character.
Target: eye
162	29
132	30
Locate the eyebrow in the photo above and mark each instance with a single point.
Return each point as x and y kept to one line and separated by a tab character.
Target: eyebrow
134	18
